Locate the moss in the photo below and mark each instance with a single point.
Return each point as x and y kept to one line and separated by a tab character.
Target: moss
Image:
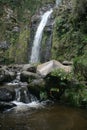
22	47
22	12
75	96
69	34
80	68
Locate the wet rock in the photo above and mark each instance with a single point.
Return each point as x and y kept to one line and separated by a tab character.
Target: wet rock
6	75
16	29
6	95
4	106
35	19
67	63
4	45
14	68
29	67
26	76
36	86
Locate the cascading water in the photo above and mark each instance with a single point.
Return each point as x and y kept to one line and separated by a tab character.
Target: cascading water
38	36
23	99
57	2
17	96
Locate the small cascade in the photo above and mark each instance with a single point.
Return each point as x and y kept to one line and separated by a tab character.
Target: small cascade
17	96
16	81
22	95
38	37
24	100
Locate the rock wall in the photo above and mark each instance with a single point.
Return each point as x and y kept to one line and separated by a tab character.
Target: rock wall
15	24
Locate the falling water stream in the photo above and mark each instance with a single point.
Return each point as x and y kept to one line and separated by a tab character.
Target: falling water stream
57	2
38	36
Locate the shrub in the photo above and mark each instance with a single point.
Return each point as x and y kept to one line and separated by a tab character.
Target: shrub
80	67
60	73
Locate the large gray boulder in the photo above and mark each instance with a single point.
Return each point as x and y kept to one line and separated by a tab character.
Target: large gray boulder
45	68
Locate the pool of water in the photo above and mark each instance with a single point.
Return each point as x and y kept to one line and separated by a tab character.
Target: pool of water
56	117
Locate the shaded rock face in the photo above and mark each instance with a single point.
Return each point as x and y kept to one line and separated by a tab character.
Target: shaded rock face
54	87
47	41
29	68
6	75
28	76
6	95
5	105
36	86
4	45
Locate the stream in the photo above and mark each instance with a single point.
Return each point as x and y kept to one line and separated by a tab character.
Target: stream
55	117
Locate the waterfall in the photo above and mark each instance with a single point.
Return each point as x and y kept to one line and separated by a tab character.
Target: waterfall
57	2
38	36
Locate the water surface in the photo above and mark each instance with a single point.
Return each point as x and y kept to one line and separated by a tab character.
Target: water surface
56	117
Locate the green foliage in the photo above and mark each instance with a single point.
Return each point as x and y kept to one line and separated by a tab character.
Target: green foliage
60	73
76	95
22	11
84	96
80	9
70	31
73	97
80	68
43	95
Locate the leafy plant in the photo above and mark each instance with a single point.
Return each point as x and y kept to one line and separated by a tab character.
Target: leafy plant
62	74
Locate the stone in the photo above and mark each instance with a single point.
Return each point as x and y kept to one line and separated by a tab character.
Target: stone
36	86
6	105
4	45
6	95
6	75
16	29
26	76
67	63
45	68
29	67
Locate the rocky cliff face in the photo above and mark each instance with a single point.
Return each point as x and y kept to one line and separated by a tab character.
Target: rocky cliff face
69	34
69	31
15	23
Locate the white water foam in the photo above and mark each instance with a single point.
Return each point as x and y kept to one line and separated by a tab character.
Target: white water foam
23	107
37	39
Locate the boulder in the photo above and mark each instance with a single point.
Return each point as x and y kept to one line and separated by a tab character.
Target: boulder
29	67
16	29
6	95
28	76
4	45
45	68
6	75
4	106
36	86
67	63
